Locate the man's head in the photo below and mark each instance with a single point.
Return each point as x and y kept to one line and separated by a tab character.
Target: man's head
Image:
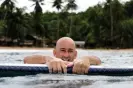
65	49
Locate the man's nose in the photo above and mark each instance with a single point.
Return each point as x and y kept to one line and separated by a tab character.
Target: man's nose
66	54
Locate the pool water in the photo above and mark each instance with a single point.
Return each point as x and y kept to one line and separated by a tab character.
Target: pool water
110	58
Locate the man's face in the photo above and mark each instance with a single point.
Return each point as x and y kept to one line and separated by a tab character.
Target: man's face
66	51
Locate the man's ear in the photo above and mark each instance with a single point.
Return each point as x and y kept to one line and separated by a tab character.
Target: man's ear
54	52
76	53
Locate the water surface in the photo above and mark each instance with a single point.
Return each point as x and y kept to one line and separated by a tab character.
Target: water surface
112	58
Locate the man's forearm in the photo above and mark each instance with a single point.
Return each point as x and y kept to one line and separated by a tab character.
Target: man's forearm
93	60
36	59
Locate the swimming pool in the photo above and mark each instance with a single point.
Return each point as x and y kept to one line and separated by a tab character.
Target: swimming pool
109	58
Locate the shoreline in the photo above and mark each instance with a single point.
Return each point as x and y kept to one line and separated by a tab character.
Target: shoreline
48	48
23	48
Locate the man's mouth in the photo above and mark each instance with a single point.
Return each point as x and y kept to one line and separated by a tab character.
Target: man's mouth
65	59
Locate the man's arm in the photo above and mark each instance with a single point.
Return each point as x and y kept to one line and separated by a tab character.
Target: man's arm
91	60
94	60
36	59
81	65
54	64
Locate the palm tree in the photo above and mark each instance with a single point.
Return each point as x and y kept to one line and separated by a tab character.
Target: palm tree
111	20
57	4
38	17
109	2
37	7
8	6
20	23
71	5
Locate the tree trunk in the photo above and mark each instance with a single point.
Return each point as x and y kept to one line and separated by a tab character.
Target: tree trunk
111	20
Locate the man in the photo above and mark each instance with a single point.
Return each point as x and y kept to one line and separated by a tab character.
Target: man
65	55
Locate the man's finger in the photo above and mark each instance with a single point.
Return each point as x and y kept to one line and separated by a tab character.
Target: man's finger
59	69
86	70
50	68
54	67
81	69
64	68
75	68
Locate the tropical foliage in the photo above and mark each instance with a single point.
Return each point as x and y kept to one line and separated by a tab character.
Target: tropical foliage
105	25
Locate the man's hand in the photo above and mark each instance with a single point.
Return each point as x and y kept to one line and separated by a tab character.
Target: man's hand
81	65
57	65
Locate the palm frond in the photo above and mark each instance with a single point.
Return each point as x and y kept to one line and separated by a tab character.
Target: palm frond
71	5
42	4
40	0
32	5
33	0
57	4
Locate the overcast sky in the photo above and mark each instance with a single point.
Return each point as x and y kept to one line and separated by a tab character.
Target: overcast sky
82	4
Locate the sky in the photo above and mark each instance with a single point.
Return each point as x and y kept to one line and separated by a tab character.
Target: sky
82	4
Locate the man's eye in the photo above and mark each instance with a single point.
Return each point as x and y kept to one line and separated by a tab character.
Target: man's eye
70	51
63	50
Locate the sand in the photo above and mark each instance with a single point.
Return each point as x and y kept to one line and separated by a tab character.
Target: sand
23	48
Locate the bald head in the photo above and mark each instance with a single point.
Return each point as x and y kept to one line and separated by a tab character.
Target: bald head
65	49
65	40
